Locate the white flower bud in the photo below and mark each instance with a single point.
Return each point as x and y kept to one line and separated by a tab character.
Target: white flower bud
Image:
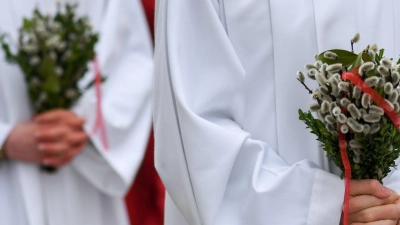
371	118
381	82
365	101
315	107
355	144
367	129
333	68
300	76
386	63
318	64
317	95
390	148
357	151
325	106
344	129
356	159
345	102
383	71
375	128
336	111
363	111
327	98
365	67
356	38
396	107
58	70
330	55
372	81
330	127
53	55
321	79
354	125
395	77
393	97
373	109
42	97
320	115
309	66
343	86
356	92
341	118
324	90
374	47
34	61
330	119
70	94
354	112
34	82
372	54
379	172
388	88
312	73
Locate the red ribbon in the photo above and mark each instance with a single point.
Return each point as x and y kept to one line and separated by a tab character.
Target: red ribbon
99	113
347	173
355	78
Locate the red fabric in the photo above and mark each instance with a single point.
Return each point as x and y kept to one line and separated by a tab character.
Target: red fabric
145	200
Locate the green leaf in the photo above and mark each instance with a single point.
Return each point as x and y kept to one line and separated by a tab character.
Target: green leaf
47	72
27	24
346	58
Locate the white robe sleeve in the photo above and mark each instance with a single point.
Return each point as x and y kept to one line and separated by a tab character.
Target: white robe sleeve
125	56
213	170
5	129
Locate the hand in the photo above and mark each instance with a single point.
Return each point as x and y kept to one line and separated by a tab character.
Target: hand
372	203
60	136
21	143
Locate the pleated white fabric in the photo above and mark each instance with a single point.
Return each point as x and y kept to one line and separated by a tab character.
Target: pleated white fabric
90	190
229	146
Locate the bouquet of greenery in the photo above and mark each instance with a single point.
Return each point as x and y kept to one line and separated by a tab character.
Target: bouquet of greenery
357	100
53	53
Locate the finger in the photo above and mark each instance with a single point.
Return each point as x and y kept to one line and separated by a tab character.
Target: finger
74	121
51	116
380	222
384	212
362	202
369	187
57	149
51	133
77	138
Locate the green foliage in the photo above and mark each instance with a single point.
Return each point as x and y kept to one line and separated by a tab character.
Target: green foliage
380	150
53	53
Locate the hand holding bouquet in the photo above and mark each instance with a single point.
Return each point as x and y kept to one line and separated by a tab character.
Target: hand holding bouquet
53	53
357	105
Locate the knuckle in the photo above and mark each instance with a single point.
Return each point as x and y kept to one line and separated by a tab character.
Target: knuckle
374	185
367	216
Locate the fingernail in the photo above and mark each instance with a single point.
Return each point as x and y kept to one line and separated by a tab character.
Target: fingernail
386	191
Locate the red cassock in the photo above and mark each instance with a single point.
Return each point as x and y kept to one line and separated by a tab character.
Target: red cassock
145	200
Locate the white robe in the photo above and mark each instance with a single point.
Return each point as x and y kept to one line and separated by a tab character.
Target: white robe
89	190
229	146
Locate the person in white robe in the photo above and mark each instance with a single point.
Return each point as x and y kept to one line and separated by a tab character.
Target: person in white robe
230	148
88	188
